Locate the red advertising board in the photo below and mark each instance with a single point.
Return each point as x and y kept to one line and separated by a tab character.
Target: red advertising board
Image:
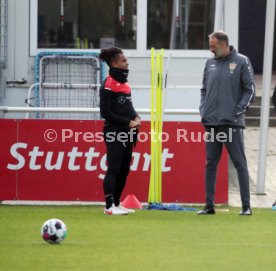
65	160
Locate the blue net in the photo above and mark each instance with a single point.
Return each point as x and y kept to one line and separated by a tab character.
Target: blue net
168	207
73	80
61	55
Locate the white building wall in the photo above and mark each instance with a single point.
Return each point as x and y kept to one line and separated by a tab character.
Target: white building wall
183	70
18	60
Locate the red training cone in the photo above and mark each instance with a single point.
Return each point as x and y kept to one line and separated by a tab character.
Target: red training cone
131	202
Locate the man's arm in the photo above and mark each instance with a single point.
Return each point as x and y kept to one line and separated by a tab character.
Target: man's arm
203	92
248	87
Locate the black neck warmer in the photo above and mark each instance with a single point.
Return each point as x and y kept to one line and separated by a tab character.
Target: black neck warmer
119	74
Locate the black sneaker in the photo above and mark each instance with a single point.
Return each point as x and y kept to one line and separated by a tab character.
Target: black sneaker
245	211
208	210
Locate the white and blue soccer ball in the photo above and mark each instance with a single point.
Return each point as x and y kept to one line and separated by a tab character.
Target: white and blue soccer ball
54	231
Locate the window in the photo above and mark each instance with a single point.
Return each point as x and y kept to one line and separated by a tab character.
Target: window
180	24
133	25
83	24
3	32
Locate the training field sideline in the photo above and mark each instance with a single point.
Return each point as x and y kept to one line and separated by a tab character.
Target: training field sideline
144	241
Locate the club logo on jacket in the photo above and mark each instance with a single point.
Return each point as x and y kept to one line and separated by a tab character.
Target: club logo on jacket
212	67
121	99
232	67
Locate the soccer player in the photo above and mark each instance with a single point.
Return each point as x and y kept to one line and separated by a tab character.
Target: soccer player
120	128
228	89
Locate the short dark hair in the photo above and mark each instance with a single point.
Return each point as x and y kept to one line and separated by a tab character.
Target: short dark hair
110	54
220	36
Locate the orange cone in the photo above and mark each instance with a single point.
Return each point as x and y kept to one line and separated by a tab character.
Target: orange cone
131	202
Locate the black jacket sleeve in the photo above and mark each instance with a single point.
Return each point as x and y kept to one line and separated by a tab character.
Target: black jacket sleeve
203	92
248	87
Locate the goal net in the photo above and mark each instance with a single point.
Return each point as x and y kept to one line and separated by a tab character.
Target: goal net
67	80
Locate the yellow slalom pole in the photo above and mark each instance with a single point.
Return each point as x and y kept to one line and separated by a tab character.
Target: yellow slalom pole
157	124
160	127
152	123
155	187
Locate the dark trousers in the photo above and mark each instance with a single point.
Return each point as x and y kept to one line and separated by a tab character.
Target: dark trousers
235	147
118	161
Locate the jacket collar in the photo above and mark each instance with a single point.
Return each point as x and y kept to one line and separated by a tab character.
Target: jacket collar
119	74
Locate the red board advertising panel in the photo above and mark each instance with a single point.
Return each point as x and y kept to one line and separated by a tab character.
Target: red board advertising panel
65	160
8	178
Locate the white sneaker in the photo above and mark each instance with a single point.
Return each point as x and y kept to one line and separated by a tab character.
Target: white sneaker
113	210
129	211
245	211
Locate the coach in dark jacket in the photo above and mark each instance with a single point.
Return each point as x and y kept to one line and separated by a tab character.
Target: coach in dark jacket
228	89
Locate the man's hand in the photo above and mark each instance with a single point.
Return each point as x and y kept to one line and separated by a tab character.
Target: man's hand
138	120
133	124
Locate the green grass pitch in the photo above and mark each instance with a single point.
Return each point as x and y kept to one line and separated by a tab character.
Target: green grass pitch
145	241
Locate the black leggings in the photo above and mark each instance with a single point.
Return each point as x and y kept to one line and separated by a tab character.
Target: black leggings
118	161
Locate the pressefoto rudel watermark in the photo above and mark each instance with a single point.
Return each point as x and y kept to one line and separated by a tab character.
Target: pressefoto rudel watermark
181	136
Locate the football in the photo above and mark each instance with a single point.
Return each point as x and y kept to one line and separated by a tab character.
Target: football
54	231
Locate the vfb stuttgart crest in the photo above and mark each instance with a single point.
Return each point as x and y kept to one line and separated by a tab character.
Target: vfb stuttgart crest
232	67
